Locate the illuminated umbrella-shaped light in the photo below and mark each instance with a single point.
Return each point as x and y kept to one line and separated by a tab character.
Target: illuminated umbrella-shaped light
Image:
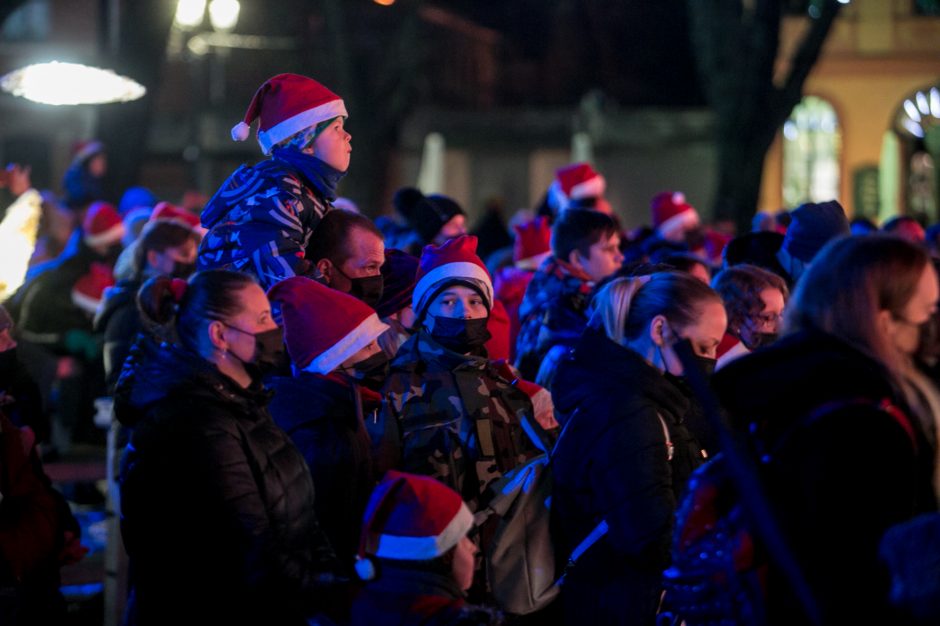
70	83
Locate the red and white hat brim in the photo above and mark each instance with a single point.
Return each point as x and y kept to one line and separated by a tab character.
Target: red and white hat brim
364	334
112	235
678	222
533	262
293	125
591	188
456	270
424	548
85	302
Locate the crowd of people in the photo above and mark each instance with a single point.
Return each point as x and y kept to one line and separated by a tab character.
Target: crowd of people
313	411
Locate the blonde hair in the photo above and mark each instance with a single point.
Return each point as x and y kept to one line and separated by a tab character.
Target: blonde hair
625	307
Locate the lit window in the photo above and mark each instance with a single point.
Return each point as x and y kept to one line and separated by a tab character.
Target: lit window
812	143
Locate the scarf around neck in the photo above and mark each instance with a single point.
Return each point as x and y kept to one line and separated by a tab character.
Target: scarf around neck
322	176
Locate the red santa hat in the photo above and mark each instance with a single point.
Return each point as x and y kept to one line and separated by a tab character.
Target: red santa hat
580	180
453	262
410	518
533	243
103	225
672	214
88	291
323	327
285	105
173	213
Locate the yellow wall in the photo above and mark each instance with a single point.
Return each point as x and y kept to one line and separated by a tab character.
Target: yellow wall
876	56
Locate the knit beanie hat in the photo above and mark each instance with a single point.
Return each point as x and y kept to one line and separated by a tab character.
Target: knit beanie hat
286	105
410	518
425	214
323	327
454	262
671	213
398	274
102	225
136	198
533	243
812	226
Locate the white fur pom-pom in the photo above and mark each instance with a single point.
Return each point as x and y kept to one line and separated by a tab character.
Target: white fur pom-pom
365	568
241	131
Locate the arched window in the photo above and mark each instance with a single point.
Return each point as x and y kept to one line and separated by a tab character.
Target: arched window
812	143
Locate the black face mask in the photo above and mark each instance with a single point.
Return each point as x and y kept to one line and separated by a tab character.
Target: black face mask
372	372
269	357
460	335
182	270
368	289
706	364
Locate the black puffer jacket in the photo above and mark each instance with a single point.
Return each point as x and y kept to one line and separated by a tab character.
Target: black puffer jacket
119	321
217	503
319	414
612	463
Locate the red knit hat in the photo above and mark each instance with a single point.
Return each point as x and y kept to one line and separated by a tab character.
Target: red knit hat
410	518
672	214
88	291
323	327
103	225
579	180
173	213
532	244
287	104
454	261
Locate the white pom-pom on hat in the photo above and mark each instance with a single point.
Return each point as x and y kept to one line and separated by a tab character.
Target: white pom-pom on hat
365	568
241	131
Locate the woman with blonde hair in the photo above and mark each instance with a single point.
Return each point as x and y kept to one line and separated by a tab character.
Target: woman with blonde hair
626	453
836	419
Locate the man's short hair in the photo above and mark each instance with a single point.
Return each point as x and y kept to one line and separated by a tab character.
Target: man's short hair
579	229
331	236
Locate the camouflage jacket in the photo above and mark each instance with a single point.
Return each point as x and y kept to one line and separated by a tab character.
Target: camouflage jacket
553	312
452	417
260	221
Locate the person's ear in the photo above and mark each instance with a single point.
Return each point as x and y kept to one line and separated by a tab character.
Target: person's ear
576	260
216	332
152	258
325	267
885	322
658	331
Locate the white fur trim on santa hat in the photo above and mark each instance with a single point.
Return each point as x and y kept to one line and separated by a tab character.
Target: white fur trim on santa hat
455	270
357	339
293	125
240	131
112	235
533	262
591	188
424	548
678	222
86	303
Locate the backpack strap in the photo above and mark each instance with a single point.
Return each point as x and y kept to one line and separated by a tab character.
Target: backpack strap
593	537
670	447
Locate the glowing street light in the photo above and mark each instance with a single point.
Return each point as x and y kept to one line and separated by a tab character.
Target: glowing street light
223	14
70	83
189	13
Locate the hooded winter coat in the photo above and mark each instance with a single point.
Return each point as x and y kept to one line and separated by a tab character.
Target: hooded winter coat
553	312
836	483
613	463
450	416
260	221
217	505
321	416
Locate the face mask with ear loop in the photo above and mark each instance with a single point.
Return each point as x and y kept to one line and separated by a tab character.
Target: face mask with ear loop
269	355
366	289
